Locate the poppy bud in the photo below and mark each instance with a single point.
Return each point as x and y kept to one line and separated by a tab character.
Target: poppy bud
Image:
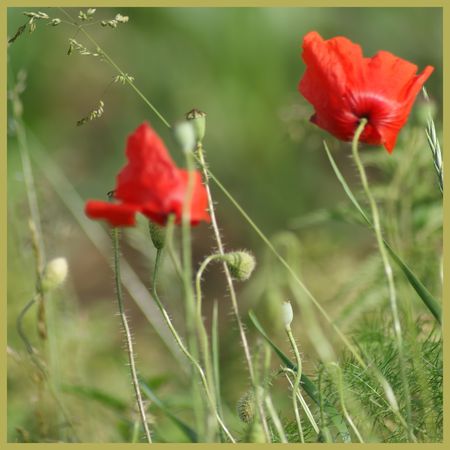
54	274
246	407
198	120
157	235
185	136
241	264
287	314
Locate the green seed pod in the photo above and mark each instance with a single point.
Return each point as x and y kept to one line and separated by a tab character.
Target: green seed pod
157	234
54	274
241	264
198	120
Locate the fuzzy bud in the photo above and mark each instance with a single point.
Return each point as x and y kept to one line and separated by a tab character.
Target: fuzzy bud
157	235
240	264
185	136
287	314
246	407
54	274
198	120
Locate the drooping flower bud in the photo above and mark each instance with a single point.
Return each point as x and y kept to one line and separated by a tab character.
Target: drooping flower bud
240	264
157	235
54	274
287	314
198	120
185	135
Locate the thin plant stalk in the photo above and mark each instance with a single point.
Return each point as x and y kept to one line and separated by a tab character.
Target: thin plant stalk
113	64
201	159
298	376
340	386
275	418
185	351
215	349
203	336
388	272
302	400
187	283
42	369
128	338
267	397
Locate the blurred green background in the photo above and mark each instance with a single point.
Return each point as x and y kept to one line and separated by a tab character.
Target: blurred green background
242	67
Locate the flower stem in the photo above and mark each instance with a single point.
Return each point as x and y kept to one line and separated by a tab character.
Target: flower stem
128	338
186	352
206	174
298	376
187	282
387	269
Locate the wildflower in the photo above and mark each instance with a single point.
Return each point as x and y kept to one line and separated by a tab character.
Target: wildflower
345	87
151	184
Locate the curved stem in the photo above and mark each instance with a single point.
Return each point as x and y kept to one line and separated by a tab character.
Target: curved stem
387	269
203	336
128	338
186	352
206	174
295	387
340	385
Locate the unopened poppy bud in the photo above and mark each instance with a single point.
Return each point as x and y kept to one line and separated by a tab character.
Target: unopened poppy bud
54	274
287	314
185	136
246	407
198	120
157	235
241	264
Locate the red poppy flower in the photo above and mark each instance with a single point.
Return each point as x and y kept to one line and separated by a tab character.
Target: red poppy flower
151	184
345	87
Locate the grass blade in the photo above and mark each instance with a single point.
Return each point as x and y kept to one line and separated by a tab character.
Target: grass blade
186	429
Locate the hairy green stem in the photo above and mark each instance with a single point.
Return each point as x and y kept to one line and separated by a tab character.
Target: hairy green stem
298	377
206	174
128	338
186	352
388	271
300	398
203	336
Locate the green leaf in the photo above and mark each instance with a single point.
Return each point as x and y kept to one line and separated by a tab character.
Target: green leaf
430	302
186	429
306	383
